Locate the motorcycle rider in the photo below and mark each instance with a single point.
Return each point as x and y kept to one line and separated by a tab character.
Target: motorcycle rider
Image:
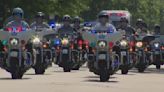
124	25
103	24
18	21
39	21
76	23
66	27
141	27
139	23
157	29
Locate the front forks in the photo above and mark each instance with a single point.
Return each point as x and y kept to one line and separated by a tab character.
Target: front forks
46	57
112	60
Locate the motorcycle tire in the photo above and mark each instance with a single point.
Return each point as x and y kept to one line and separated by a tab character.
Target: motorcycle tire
141	69
66	69
76	67
124	71
104	76
158	66
39	71
17	75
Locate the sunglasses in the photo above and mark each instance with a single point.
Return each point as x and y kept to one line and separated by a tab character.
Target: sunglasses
17	14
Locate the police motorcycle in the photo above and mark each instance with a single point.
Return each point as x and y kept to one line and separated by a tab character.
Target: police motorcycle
102	59
143	52
126	52
65	53
79	52
16	57
157	52
43	52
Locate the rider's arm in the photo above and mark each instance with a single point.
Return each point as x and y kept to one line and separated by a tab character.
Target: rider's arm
7	27
32	26
46	25
112	29
25	25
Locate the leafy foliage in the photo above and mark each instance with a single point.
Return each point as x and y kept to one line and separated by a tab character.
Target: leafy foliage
151	11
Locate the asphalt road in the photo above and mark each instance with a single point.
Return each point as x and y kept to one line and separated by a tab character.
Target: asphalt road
55	80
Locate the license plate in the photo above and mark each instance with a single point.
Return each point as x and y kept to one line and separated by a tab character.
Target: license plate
14	54
123	53
37	52
140	52
65	51
85	56
102	56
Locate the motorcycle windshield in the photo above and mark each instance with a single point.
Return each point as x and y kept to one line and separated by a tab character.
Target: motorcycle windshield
148	38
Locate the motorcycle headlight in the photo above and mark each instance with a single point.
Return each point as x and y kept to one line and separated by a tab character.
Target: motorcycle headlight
65	41
156	45
57	42
36	40
102	44
14	41
4	42
123	43
139	44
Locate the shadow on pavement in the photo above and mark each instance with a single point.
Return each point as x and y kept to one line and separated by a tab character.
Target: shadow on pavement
125	74
149	71
97	77
97	80
14	79
58	71
36	74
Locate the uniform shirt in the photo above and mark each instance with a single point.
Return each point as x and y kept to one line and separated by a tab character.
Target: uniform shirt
66	30
23	26
142	32
128	30
101	28
35	25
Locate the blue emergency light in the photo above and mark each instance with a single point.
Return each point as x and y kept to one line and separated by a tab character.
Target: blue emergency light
57	42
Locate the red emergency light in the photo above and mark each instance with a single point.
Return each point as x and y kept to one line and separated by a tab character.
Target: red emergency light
117	14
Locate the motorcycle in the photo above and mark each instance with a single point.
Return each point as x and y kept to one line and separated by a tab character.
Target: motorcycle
102	60
143	52
125	51
79	52
63	45
15	56
43	52
157	51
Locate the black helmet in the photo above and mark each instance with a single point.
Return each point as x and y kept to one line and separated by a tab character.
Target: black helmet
157	26
124	19
18	11
103	15
139	21
66	18
40	15
77	19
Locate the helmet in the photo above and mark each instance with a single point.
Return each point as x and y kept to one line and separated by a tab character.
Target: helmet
139	21
124	19
157	26
77	19
103	15
66	18
18	11
40	15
